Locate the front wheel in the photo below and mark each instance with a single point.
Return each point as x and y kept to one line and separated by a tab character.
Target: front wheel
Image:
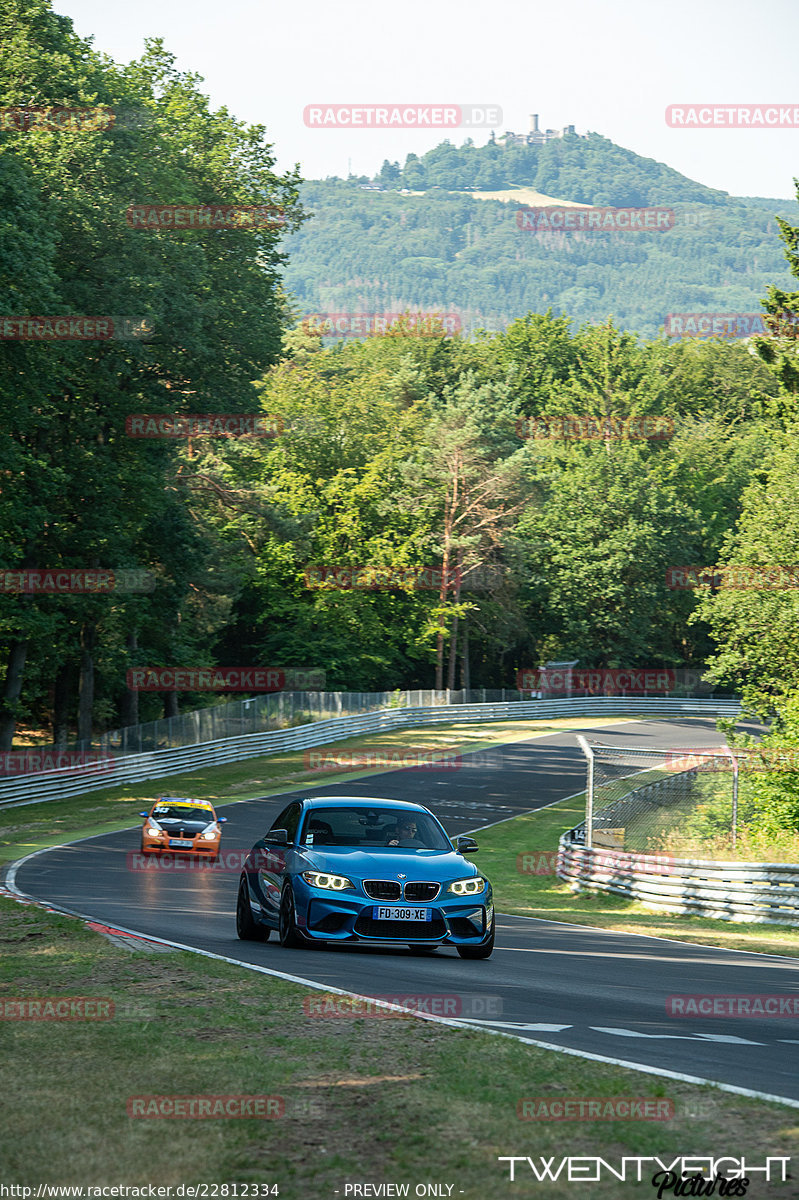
483	950
246	927
290	936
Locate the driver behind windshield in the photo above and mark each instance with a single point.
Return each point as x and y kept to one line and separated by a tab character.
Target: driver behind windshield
406	834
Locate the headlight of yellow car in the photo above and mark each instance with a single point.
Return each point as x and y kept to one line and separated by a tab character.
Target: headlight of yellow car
467	887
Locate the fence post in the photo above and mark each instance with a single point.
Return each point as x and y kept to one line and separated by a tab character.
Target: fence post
589	791
734	795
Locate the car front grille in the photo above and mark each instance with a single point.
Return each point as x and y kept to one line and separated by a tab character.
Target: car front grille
400	931
382	889
422	891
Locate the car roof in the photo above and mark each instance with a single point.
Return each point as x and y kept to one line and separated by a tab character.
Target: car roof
184	800
362	802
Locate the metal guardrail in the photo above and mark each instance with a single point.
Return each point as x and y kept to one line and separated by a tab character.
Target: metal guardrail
762	893
758	893
90	777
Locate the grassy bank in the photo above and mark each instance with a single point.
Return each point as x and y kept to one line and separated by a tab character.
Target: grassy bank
365	1100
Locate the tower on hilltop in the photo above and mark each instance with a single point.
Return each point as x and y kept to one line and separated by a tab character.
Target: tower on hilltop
536	135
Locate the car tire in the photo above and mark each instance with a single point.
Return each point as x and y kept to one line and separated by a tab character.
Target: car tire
484	950
246	926
289	934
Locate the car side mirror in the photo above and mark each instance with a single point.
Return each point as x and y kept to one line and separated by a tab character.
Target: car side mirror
279	837
466	845
144	814
221	820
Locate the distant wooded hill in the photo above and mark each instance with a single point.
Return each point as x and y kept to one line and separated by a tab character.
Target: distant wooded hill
451	249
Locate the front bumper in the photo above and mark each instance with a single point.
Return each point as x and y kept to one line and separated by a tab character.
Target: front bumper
342	917
200	846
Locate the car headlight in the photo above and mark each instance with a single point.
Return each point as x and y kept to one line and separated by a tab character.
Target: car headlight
211	832
154	828
467	887
332	883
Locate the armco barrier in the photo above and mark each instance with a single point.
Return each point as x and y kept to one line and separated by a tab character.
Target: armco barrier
134	768
759	893
763	893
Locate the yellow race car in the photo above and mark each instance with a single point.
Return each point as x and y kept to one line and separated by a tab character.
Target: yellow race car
181	826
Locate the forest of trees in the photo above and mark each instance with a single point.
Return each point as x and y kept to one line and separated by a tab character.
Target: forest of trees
589	170
448	250
396	451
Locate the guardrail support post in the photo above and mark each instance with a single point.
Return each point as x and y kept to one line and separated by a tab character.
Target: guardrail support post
589	791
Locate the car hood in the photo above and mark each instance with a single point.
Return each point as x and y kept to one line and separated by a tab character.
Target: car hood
170	825
435	865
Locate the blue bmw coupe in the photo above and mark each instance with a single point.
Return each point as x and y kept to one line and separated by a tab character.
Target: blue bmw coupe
349	869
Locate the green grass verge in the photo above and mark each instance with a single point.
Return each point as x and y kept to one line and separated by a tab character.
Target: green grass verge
366	1100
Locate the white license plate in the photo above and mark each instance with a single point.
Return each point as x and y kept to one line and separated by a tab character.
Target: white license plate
401	914
180	842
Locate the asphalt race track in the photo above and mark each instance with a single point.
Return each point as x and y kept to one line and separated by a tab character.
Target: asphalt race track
592	991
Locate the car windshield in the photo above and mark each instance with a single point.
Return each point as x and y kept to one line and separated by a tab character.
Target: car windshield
181	812
372	828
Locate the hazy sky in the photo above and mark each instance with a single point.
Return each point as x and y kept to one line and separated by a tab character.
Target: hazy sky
608	68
